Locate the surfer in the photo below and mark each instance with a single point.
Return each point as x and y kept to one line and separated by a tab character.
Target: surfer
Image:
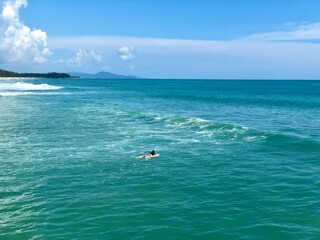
150	154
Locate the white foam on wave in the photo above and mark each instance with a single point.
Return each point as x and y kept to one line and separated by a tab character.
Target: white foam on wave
207	130
13	94
21	86
255	138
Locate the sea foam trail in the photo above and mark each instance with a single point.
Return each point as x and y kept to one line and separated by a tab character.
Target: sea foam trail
21	86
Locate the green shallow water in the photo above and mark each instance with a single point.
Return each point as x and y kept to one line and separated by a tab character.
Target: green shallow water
239	160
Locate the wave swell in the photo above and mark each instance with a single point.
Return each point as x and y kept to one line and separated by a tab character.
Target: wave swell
21	86
198	128
219	133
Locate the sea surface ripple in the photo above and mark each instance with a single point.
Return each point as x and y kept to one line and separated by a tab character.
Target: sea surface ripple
238	159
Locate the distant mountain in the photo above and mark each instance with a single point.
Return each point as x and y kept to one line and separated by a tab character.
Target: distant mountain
104	75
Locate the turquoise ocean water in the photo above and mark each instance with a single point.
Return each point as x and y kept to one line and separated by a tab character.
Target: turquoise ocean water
238	159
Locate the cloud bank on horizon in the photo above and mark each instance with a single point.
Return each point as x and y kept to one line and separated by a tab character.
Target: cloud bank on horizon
292	53
282	54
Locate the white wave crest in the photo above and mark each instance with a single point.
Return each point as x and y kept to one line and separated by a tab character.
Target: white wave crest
13	94
20	86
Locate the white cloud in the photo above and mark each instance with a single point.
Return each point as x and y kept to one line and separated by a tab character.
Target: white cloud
84	58
302	32
126	53
18	43
11	9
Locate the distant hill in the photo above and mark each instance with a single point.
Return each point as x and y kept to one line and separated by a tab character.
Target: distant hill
104	75
10	74
100	75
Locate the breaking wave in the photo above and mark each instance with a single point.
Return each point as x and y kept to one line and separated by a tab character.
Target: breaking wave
203	130
25	93
197	128
21	86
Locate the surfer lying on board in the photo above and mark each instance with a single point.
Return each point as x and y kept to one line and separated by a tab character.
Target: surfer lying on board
149	155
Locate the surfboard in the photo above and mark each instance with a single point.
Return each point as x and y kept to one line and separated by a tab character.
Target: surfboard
148	156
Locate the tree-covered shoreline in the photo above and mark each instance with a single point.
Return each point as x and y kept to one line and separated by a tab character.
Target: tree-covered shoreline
10	74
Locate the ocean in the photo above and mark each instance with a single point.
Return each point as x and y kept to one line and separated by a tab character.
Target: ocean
238	159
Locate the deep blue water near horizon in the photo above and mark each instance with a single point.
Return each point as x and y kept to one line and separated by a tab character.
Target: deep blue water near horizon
238	159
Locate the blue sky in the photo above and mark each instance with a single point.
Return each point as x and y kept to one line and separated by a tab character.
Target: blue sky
164	39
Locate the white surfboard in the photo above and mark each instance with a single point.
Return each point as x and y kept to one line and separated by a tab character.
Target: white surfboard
148	156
